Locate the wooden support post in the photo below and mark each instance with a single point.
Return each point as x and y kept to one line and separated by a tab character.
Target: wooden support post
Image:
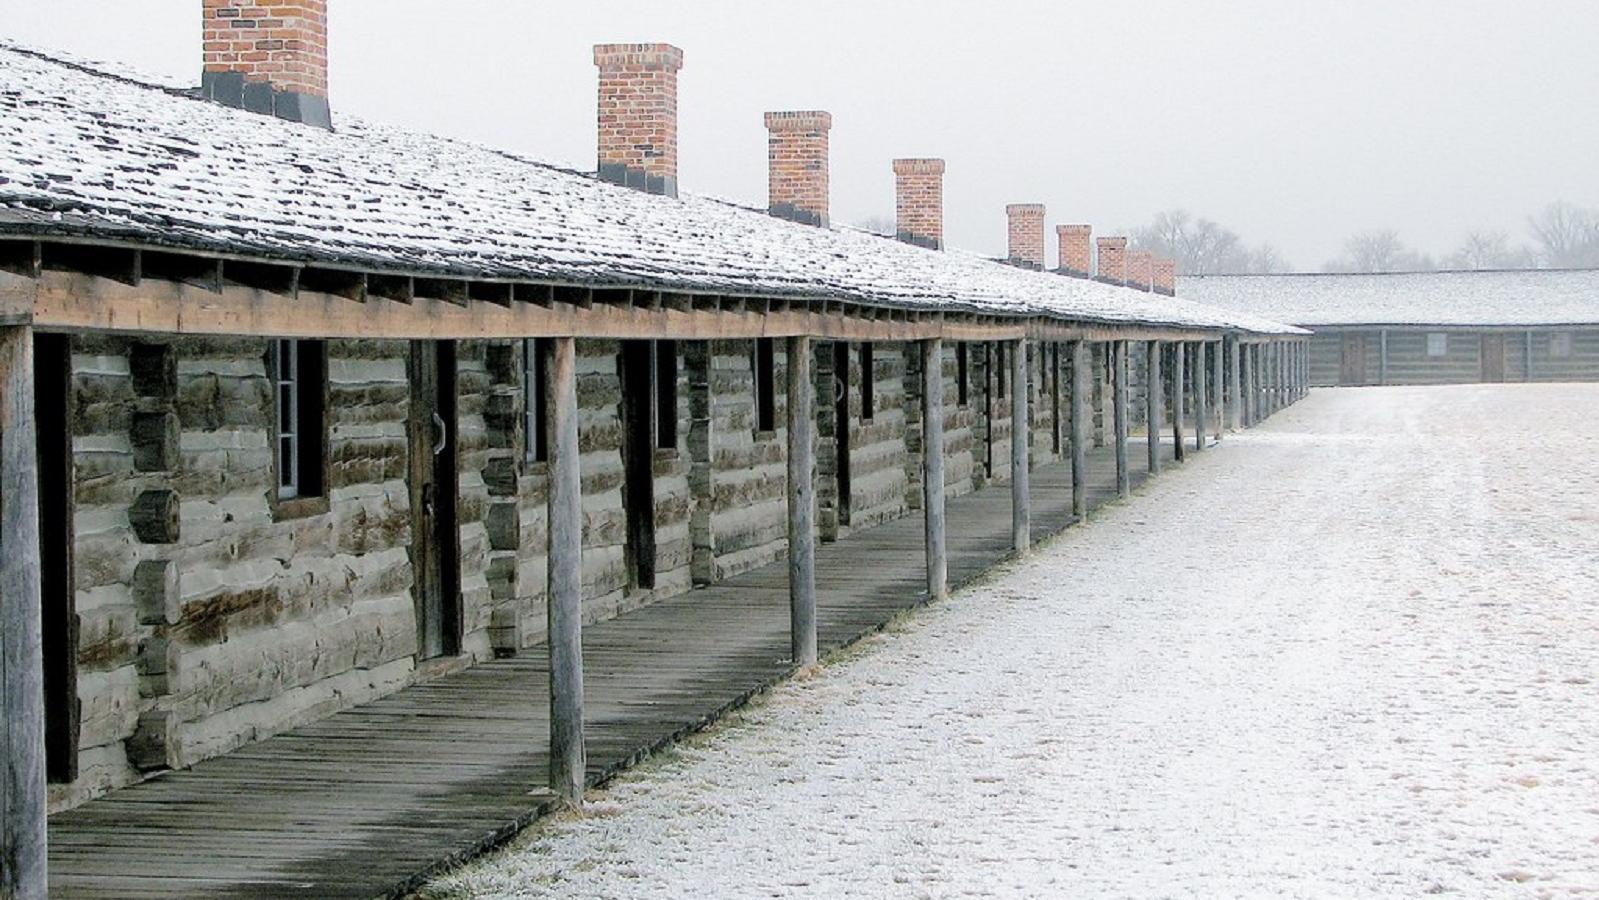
1249	406
1179	396
1080	376
1529	356
1218	388
1154	414
1118	352
568	756
1020	431
1201	396
933	467
22	757
1235	385
1102	397
1382	357
801	504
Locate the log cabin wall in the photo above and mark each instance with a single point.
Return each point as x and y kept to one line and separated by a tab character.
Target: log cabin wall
277	621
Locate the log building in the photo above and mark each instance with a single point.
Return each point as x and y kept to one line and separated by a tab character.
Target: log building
299	410
1430	327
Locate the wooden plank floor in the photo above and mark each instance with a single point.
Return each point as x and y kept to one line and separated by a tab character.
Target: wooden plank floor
369	800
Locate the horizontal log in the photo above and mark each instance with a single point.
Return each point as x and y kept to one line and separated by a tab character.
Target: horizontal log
79	301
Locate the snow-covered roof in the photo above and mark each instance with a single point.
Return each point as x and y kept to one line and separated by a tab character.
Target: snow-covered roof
1527	297
86	152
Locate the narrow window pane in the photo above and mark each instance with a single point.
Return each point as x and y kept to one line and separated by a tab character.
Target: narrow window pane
868	383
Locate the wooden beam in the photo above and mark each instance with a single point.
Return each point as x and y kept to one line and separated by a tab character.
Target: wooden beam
933	467
801	503
1020	432
1118	352
568	755
18	294
189	295
1080	377
1382	357
22	754
1154	413
1201	396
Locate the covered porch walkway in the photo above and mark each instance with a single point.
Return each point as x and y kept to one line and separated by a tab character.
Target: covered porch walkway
370	800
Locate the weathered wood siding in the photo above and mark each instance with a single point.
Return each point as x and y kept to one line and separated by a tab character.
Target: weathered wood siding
1582	364
1327	354
281	621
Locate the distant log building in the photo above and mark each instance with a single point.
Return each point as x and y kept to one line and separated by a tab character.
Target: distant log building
1429	327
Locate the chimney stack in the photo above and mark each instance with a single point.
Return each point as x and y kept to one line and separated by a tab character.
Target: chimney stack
268	56
1165	276
1141	270
1076	250
638	115
919	202
1112	260
796	154
1026	234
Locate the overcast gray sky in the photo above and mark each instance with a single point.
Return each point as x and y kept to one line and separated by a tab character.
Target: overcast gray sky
1295	122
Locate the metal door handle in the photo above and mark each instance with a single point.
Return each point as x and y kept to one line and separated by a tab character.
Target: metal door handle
444	434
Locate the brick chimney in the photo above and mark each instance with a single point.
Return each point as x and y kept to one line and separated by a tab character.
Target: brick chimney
1165	276
638	115
268	56
1140	270
1076	250
1026	234
919	202
796	155
1112	260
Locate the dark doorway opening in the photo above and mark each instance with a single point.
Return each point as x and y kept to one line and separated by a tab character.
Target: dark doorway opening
1493	358
435	489
52	364
1352	362
638	373
841	427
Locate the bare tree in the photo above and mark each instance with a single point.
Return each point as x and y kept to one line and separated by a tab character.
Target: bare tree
1267	260
1199	246
1373	251
1568	235
1482	250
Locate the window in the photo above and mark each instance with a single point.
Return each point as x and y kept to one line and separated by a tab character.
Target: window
962	378
1437	344
765	363
868	377
665	394
299	374
1560	344
535	402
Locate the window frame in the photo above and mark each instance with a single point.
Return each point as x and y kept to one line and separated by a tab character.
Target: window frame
535	401
1440	341
308	471
963	376
1560	345
763	363
868	364
663	377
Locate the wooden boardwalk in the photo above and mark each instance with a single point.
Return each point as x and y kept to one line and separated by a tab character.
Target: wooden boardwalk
369	801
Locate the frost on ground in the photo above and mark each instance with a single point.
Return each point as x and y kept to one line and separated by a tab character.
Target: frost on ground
1352	653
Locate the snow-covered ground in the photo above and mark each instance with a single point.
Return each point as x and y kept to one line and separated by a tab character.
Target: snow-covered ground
1352	653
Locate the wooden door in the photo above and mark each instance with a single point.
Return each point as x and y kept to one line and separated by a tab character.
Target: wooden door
638	460
52	362
435	480
1493	358
1352	366
841	427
